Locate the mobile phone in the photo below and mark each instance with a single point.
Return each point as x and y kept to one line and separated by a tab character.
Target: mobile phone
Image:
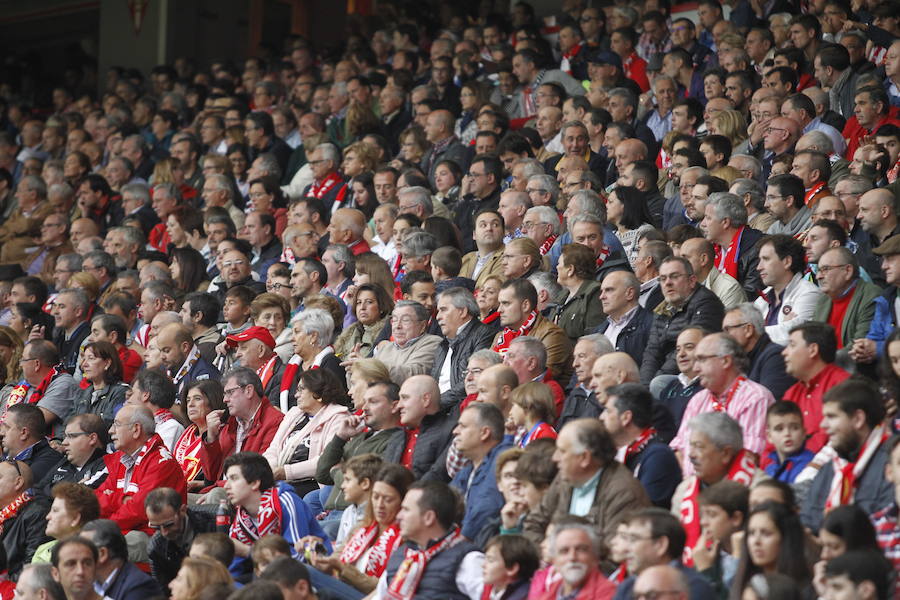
225	414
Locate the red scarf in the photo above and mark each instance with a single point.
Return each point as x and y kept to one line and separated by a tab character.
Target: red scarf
638	445
548	243
846	473
718	404
266	371
290	371
508	335
405	583
19	392
741	471
187	452
384	546
319	189
491	317
566	62
727	262
162	415
268	520
894	171
815	189
604	254
12	509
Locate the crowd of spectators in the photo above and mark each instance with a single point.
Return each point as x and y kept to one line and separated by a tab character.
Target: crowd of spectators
599	304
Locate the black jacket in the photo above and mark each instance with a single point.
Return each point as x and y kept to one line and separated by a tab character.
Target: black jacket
767	366
616	261
476	336
702	309
23	533
580	403
166	555
466	209
130	583
68	349
633	339
108	401
92	474
454	151
655	207
748	258
42	460
394	126
429	459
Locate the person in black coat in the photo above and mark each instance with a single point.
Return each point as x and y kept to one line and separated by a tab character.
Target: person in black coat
686	303
746	325
480	191
118	578
23	433
70	313
24	529
170	545
619	295
748	259
464	334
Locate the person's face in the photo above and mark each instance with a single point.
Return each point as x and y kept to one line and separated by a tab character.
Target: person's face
467	433
406	325
763	541
197	406
76	569
643	549
93	367
709	461
713	227
575	557
66	313
512	310
575	141
714	370
569	462
60	520
238	489
590	235
798	357
771	268
715	522
449	317
867	112
169	522
235	267
785	432
173	354
834	274
676	284
841	429
800	36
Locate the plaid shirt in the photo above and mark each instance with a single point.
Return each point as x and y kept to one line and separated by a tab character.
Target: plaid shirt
647	48
455	461
888	534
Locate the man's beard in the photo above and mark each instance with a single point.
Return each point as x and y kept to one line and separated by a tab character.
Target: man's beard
573	573
848	447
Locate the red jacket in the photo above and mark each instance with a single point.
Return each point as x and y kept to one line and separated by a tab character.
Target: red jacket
265	424
131	363
155	468
854	132
596	587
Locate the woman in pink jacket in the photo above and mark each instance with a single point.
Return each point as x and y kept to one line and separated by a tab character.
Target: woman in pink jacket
306	429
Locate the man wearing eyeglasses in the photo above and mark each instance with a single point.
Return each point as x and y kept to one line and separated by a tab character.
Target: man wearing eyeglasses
745	324
54	243
84	444
175	529
24	519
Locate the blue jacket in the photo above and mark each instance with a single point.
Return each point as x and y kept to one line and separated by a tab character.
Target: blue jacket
130	583
658	471
788	471
483	499
884	321
200	370
767	366
697	584
633	339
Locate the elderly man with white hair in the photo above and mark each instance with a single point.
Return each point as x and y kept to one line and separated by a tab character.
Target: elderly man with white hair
328	185
725	224
347	227
541	224
418	201
543	190
576	558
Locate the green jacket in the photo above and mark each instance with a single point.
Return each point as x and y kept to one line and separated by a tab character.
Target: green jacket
580	314
338	451
859	313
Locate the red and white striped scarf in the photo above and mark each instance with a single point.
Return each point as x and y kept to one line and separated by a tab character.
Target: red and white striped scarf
405	583
383	547
187	452
508	335
268	519
847	474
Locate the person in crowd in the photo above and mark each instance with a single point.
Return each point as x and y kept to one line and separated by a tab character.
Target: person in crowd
577	558
106	391
156	392
121	578
23	435
24	521
787	435
175	528
745	324
203	397
84	441
199	576
411	351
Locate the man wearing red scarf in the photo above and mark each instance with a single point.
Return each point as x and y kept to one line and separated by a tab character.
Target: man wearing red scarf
725	225
328	185
22	515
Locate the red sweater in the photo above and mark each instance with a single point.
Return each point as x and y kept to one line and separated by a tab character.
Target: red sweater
809	398
260	435
155	468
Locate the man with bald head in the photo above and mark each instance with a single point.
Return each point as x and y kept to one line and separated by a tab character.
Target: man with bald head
627	325
629	151
182	358
702	255
878	218
548	123
659	580
779	138
444	144
347	227
569	164
81	229
612	369
429	429
495	385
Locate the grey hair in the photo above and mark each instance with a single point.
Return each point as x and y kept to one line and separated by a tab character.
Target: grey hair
158	289
548	184
586	528
343	254
61	189
131	235
532	167
169	189
419	243
820	141
102	260
79	296
751	315
852	33
72	261
329	152
782	16
590	202
138	190
750	186
243	377
728	206
728	346
721	430
532	348
222	182
755	166
860	184
664	77
340	87
141	415
420	197
422	313
701	171
546	215
587	218
140	144
41	575
392	209
543	280
487	355
431	92
626	95
318	321
601	343
268	164
35	184
460	297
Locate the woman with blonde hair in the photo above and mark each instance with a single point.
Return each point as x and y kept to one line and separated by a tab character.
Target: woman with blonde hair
195	575
732	125
363	373
413	144
532	409
11	346
86	282
359	157
361	120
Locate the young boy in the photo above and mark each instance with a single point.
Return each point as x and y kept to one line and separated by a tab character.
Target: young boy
236	313
266	549
262	508
446	263
359	475
723	508
509	564
785	431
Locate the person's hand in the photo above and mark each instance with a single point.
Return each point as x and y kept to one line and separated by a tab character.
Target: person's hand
759	131
819	578
37	333
278	472
351	427
214	425
195	485
350	297
307	542
511	427
467	185
352	356
863	350
737	543
327	564
705	552
511	511
221	348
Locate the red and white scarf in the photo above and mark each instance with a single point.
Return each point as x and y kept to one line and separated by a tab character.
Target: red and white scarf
290	372
727	262
189	362
12	509
405	583
742	468
318	189
266	371
604	254
187	452
508	335
847	474
548	243
162	415
268	520
721	405
20	392
383	547
566	63
638	445
812	193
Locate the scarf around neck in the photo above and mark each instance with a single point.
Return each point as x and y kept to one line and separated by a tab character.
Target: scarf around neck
405	583
508	335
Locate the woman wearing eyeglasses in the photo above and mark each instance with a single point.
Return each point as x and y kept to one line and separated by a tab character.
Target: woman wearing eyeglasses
272	311
102	368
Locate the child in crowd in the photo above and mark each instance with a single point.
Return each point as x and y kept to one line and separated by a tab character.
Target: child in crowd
535	472
509	563
266	549
236	312
446	263
723	508
785	431
359	474
532	411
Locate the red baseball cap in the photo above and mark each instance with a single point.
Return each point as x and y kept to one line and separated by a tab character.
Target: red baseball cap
251	333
